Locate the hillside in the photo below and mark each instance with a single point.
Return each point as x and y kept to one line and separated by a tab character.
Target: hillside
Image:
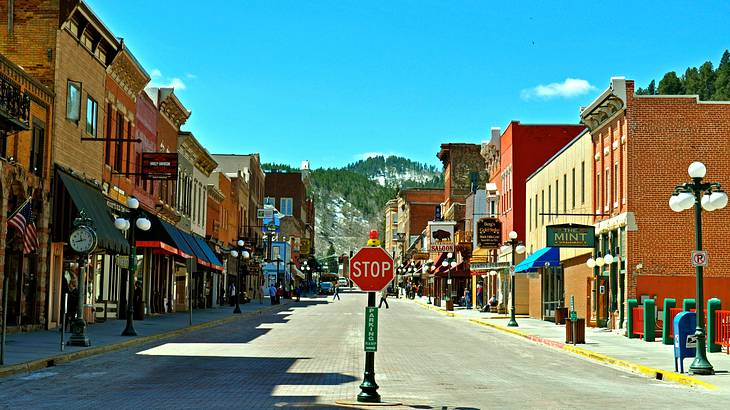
349	201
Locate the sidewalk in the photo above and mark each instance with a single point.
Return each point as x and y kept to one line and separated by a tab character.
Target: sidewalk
652	359
35	350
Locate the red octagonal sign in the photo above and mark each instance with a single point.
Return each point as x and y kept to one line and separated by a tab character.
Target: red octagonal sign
371	269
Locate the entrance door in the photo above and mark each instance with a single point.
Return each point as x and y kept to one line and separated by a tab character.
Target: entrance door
602	317
552	291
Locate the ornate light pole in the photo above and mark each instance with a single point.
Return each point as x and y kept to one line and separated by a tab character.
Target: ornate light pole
708	195
449	262
135	217
513	246
307	273
427	269
239	253
82	240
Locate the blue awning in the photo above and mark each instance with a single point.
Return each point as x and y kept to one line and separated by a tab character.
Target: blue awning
539	259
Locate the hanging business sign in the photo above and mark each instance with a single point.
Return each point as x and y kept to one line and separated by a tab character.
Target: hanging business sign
159	166
571	236
305	246
489	233
441	236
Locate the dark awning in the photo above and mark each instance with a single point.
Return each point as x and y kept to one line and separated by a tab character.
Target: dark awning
158	236
90	200
209	254
177	236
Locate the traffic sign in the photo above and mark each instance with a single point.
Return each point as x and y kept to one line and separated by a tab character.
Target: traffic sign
371	329
371	269
699	258
573	315
265	213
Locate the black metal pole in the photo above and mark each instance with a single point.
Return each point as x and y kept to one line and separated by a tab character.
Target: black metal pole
700	365
368	387
129	329
6	283
512	321
238	282
78	326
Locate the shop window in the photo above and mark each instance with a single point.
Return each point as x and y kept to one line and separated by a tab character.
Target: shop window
286	206
616	188
108	134
73	101
118	146
565	193
92	116
37	148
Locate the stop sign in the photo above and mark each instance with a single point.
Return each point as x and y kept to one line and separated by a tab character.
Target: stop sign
371	269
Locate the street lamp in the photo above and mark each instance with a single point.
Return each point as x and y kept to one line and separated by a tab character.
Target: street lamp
135	217
239	253
450	263
307	272
513	246
426	269
710	196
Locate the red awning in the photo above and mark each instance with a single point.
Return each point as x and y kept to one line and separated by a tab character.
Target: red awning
165	248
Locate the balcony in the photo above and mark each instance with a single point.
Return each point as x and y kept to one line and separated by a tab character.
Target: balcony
14	107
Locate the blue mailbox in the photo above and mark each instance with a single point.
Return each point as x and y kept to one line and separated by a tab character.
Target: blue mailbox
685	341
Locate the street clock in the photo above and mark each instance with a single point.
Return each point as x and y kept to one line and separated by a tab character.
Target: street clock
82	239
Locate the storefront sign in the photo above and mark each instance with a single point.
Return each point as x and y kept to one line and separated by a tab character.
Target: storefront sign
483	267
305	246
420	256
570	236
159	166
441	236
489	233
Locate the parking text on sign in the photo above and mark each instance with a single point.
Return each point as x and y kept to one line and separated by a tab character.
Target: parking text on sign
371	329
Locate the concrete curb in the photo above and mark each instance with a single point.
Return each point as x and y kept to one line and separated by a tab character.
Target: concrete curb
33	365
434	308
651	372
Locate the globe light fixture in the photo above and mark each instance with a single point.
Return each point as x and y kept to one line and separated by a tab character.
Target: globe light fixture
697	170
513	235
608	259
591	263
600	261
132	203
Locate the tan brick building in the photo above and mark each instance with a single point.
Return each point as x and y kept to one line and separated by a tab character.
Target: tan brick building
642	146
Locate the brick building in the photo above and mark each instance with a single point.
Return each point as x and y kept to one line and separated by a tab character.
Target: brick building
523	148
642	146
26	130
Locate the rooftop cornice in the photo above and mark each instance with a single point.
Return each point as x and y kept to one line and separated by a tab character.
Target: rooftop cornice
127	72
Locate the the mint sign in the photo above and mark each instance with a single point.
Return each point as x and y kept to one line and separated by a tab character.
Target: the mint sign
570	236
371	329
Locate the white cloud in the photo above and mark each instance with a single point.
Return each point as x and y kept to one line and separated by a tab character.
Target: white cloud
191	76
174	82
177	83
155	73
571	87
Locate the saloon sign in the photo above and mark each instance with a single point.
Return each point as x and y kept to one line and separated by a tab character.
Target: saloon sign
571	236
441	236
159	166
489	233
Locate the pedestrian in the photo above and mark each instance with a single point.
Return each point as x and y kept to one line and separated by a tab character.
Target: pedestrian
138	305
279	294
383	299
336	292
272	294
73	302
480	296
262	291
232	294
298	292
493	301
467	298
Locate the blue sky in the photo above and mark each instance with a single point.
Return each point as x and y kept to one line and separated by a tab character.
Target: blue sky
332	81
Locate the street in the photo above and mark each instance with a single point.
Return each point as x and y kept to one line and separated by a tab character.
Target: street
310	354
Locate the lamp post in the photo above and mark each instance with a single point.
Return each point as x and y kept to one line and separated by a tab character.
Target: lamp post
307	273
135	217
449	262
710	196
426	269
239	253
513	246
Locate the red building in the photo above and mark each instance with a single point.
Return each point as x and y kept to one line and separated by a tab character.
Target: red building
523	148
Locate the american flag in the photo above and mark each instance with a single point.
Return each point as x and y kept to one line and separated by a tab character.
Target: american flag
24	222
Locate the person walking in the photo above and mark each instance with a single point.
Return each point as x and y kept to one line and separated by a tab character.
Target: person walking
383	298
480	296
262	291
272	294
298	292
467	298
336	292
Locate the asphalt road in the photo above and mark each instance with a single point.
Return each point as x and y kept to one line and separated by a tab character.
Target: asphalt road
309	355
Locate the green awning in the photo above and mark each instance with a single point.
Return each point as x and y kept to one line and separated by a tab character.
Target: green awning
90	200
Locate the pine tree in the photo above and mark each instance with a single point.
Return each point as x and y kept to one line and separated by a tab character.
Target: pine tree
670	84
722	79
331	262
651	90
707	81
691	81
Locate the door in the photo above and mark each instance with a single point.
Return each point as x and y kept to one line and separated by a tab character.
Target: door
552	291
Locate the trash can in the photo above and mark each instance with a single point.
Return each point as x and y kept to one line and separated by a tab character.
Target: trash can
561	314
580	331
449	304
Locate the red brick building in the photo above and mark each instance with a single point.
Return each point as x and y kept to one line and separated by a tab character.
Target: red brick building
642	148
523	148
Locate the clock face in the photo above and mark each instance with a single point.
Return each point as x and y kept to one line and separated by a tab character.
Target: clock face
82	240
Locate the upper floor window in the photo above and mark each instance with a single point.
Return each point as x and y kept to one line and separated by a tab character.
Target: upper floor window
92	116
269	200
286	206
87	41
37	148
73	101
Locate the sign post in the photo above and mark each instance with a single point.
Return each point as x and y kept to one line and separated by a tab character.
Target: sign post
371	269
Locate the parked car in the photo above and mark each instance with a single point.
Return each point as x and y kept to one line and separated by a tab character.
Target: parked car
326	288
343	282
